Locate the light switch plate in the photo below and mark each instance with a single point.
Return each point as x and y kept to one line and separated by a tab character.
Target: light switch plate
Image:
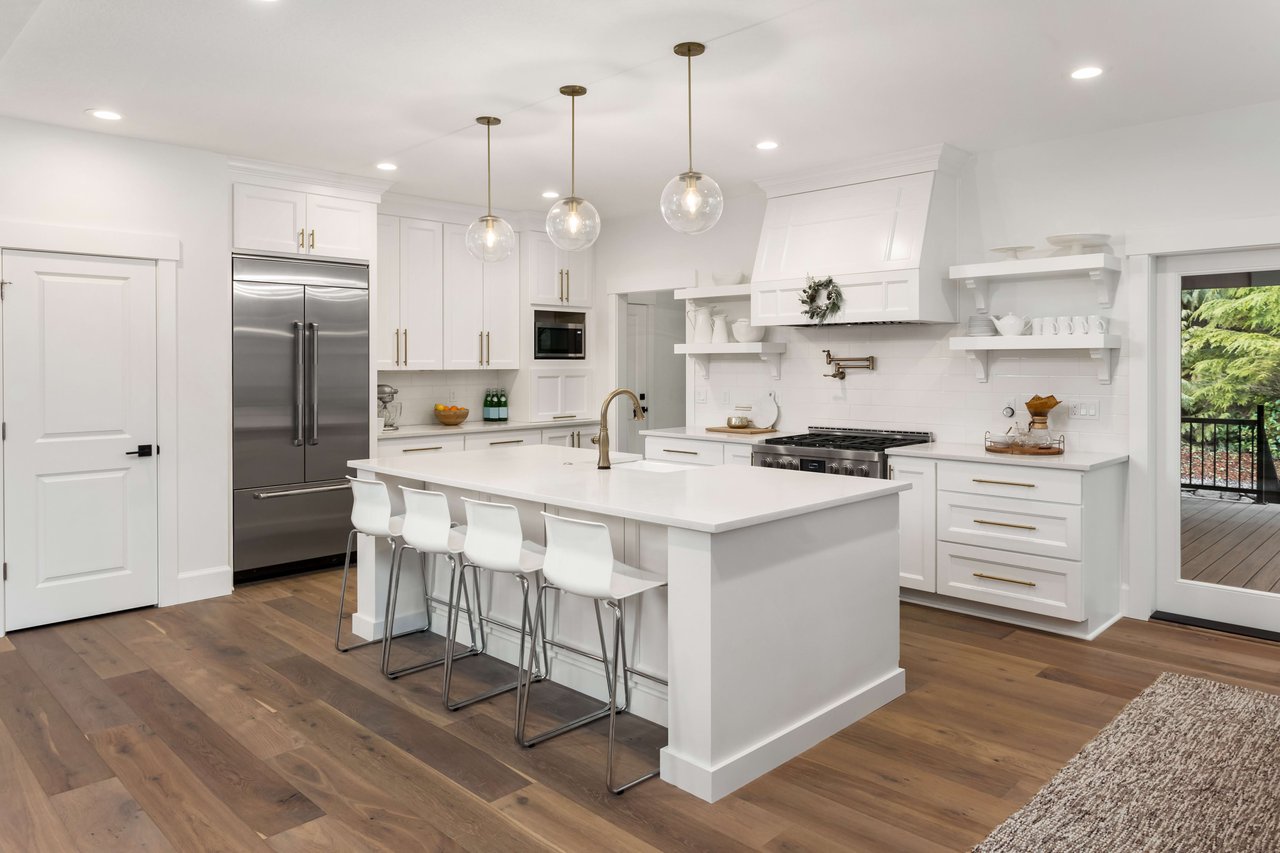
1084	408
700	396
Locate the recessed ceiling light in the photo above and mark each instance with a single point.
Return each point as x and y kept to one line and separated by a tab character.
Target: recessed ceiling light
105	115
551	194
1086	73
766	145
388	167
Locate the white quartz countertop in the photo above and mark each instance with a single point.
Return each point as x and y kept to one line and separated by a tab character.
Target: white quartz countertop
1072	460
699	433
712	498
479	426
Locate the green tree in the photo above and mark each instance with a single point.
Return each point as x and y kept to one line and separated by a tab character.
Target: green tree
1230	350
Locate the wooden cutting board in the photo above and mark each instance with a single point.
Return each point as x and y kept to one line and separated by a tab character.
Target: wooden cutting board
744	431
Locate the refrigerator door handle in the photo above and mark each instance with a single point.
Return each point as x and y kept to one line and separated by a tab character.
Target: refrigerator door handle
290	493
299	376
315	384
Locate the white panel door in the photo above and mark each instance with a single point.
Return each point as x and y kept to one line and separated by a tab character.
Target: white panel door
421	294
502	313
579	268
268	219
340	227
542	269
386	335
79	394
463	303
917	522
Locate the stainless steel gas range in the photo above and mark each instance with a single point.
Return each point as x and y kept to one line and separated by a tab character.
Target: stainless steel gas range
835	450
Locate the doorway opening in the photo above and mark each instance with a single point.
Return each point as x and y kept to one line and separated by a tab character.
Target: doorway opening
653	323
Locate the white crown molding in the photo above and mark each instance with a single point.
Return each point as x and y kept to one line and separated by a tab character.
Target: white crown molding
284	176
930	158
418	207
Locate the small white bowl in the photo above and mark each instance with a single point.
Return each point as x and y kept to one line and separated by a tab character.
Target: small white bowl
746	333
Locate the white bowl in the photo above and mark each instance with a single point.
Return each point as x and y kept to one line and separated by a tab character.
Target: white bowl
748	334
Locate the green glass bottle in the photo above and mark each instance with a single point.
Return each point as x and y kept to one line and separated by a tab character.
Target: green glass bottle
502	404
488	404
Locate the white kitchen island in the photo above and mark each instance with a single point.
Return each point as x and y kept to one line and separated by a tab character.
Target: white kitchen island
779	625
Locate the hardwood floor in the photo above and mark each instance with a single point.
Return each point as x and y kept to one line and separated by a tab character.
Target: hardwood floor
1232	543
232	724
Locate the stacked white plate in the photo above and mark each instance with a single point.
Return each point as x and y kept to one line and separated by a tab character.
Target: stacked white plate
981	326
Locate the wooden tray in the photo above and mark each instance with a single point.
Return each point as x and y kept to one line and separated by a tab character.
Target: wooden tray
742	431
1015	450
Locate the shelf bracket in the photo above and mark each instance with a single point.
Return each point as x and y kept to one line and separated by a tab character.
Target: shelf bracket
1106	359
979	358
1105	280
980	288
704	365
774	362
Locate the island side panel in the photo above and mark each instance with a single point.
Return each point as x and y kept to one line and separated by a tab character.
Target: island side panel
780	635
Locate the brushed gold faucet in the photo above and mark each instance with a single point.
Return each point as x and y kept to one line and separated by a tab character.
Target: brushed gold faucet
637	413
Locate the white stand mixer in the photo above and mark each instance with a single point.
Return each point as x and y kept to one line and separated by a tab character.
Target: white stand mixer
389	408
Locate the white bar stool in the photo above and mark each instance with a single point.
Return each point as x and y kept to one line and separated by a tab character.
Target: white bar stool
495	542
579	561
428	530
371	516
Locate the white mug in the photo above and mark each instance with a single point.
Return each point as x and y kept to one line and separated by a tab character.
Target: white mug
1050	326
1097	325
1037	325
1079	325
1063	325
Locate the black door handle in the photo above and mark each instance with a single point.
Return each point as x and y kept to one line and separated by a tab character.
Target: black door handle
143	450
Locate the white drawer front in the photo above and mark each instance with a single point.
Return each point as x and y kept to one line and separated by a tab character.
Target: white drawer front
420	445
1020	581
515	438
737	454
684	450
1032	527
1010	481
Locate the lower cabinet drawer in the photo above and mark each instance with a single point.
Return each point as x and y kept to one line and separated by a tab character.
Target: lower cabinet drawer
1032	527
516	438
1020	482
1021	581
421	444
737	454
684	450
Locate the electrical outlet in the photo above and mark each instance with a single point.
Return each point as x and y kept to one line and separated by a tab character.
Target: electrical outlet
700	396
1084	408
453	396
726	399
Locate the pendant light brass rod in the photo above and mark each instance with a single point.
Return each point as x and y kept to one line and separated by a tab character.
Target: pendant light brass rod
573	146
689	61
488	165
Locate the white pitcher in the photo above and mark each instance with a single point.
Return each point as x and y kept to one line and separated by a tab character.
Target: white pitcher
700	319
719	329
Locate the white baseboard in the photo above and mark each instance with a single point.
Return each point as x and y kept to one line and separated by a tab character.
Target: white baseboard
1086	630
202	583
712	783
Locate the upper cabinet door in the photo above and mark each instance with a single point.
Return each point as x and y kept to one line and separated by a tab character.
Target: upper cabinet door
579	271
876	226
502	313
386	333
340	227
421	294
542	269
463	315
266	219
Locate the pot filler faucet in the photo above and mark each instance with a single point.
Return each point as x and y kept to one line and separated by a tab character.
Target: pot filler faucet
637	413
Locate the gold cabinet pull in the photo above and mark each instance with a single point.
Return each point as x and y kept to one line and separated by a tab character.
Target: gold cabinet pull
561	417
1004	483
302	238
681	452
406	347
488	350
560	287
1005	580
313	238
567	285
482	349
397	347
1004	524
508	441
421	449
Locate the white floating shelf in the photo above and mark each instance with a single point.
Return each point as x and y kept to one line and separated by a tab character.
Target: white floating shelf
1101	348
770	352
714	291
1101	268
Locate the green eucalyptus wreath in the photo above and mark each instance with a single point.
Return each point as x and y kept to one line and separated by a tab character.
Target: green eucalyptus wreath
822	299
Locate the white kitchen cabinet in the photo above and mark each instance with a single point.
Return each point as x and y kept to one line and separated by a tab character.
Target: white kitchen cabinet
420	444
686	450
737	454
574	436
481	317
917	523
557	277
269	219
506	438
556	393
410	294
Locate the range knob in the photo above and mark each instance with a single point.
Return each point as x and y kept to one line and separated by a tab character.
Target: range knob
862	471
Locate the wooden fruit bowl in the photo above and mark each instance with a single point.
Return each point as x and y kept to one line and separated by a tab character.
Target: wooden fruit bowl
452	418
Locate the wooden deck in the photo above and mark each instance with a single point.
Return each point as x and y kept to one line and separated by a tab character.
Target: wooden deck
1233	543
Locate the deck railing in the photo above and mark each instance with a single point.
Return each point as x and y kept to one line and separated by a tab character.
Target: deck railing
1225	454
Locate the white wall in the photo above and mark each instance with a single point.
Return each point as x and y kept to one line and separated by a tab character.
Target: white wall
420	390
59	176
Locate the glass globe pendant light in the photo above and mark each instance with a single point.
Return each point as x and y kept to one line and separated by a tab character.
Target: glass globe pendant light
573	224
490	238
691	202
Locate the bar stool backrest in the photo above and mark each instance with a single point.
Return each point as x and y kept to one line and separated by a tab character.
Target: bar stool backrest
495	537
426	521
371	507
579	556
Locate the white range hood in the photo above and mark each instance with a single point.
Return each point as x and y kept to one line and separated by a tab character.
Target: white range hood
885	230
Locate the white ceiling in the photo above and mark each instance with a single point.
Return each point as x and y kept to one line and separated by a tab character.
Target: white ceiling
341	84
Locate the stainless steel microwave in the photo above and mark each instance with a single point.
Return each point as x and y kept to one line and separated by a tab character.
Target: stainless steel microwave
559	335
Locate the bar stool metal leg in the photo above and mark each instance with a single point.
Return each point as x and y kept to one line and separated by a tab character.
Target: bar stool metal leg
527	621
619	665
342	597
389	617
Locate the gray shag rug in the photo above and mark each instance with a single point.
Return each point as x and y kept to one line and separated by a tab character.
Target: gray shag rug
1189	765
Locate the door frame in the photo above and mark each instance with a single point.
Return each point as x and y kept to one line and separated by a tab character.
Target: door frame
165	251
1148	346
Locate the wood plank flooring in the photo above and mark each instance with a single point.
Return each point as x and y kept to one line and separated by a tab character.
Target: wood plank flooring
1232	543
233	725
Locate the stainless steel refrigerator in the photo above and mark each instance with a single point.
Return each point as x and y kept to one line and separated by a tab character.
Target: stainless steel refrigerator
300	402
